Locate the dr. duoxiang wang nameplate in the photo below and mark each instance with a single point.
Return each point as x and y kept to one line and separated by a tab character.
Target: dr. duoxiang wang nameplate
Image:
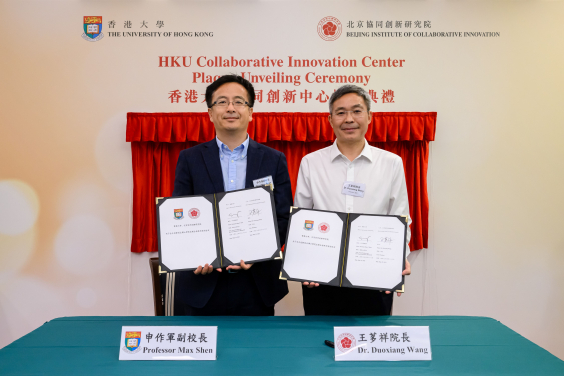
217	229
347	250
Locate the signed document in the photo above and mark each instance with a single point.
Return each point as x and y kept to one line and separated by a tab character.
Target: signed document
248	223
217	229
347	250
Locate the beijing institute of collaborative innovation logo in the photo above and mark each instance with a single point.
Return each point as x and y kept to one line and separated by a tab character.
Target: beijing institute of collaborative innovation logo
329	28
345	342
194	213
92	28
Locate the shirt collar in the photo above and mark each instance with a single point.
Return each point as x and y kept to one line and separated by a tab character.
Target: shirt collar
225	149
366	152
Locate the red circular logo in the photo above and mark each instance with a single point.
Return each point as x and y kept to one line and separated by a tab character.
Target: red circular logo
345	342
323	227
329	28
194	213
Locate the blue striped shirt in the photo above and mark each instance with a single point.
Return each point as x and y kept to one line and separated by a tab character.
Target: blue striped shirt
233	165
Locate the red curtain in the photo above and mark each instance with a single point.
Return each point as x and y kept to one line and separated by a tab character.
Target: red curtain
157	139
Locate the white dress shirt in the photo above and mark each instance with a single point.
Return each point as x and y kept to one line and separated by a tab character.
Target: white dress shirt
323	173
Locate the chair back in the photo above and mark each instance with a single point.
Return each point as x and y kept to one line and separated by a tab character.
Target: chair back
157	294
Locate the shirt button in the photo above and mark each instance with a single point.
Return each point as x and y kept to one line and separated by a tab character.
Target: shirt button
232	161
231	181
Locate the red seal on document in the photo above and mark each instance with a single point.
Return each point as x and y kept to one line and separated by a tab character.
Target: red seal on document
194	213
323	227
329	28
345	342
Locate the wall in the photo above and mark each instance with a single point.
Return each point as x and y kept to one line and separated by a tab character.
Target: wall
495	173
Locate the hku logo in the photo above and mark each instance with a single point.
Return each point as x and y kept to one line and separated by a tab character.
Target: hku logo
92	28
178	213
329	28
132	342
308	225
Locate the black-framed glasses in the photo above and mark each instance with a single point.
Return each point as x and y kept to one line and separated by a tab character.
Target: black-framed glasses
222	103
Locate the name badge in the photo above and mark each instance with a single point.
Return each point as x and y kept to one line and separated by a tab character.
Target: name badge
168	343
350	188
264	181
362	343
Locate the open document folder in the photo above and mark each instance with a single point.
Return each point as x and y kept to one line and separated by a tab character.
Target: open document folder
347	250
217	229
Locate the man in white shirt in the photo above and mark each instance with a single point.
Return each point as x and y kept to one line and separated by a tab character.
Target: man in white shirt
320	182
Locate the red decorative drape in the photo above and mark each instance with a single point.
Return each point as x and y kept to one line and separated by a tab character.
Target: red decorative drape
157	139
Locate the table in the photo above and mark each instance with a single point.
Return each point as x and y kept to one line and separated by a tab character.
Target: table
276	346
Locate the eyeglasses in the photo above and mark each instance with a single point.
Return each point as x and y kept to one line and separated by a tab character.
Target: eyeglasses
236	103
342	114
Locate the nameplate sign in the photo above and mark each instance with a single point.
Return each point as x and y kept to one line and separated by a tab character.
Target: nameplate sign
350	188
358	343
168	343
264	181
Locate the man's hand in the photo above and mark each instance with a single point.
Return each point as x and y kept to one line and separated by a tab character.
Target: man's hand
205	270
406	271
237	267
310	284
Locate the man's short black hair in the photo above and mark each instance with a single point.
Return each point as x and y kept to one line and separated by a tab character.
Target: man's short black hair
227	79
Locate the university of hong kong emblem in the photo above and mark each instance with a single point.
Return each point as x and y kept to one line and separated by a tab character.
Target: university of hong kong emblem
194	213
92	28
178	213
329	28
323	227
345	342
308	225
132	342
